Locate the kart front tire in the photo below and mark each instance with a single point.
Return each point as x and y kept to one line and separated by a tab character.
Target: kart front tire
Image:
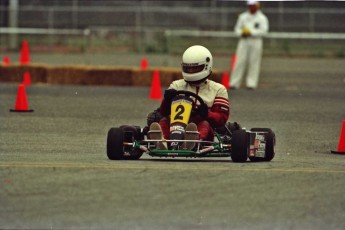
115	144
115	148
134	134
239	151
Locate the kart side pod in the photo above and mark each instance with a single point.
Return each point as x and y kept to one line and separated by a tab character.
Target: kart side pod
256	144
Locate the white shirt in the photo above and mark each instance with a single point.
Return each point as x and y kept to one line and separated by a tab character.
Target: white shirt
256	23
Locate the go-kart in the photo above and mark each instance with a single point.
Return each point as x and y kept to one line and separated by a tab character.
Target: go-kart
130	142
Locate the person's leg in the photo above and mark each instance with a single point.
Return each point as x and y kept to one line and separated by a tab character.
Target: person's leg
165	126
240	64
206	131
254	59
155	133
191	134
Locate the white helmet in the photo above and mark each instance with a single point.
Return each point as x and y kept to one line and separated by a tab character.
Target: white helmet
196	63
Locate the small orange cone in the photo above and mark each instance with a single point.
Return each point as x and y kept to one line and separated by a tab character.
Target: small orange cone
27	79
341	144
6	60
144	64
24	53
21	101
156	91
225	80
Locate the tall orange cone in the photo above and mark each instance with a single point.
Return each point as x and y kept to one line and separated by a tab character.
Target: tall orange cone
21	101
27	79
6	60
24	53
225	80
341	144
144	64
156	91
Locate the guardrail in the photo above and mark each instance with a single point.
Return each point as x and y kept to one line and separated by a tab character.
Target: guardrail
15	30
275	35
169	33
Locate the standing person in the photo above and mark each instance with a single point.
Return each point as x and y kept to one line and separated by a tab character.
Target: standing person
197	64
251	26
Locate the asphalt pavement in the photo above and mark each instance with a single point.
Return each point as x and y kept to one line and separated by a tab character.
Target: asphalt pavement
54	173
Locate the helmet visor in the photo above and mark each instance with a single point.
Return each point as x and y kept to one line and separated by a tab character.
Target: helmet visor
192	68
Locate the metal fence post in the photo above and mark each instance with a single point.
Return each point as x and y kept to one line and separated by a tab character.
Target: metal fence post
13	23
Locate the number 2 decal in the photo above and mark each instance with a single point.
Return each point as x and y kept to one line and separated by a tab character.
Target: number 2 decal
179	111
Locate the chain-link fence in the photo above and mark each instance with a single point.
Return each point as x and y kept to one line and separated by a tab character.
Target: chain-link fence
140	26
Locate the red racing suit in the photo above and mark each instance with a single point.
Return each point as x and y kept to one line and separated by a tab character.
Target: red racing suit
215	97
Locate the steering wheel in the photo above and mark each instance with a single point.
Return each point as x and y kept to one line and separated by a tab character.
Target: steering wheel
191	94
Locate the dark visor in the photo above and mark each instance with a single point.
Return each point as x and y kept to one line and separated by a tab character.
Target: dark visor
193	69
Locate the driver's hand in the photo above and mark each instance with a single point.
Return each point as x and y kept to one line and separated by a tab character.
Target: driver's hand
202	110
169	94
246	32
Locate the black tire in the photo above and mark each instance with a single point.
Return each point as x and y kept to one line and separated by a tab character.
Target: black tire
115	148
270	143
239	151
115	144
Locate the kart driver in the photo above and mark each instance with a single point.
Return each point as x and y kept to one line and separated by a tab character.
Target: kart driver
197	64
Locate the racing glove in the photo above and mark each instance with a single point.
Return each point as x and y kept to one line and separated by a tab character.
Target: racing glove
169	94
202	110
246	32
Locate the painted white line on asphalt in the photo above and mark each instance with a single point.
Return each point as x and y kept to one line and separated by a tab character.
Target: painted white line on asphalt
126	166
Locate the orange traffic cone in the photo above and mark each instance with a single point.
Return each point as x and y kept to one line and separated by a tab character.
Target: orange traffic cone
341	144
6	60
156	91
144	64
21	101
225	80
24	53
27	79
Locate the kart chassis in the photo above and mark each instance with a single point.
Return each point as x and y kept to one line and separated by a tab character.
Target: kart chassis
130	142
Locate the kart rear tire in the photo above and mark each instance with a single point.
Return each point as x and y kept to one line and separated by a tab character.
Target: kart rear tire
239	151
270	143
